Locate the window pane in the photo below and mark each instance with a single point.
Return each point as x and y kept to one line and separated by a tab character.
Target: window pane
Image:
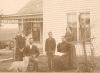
35	25
72	20
85	25
87	19
38	25
72	24
82	20
69	18
34	29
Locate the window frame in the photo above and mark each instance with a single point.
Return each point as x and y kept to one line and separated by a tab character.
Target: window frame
78	26
86	28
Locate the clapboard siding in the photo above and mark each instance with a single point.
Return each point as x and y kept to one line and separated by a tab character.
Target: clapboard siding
53	13
55	20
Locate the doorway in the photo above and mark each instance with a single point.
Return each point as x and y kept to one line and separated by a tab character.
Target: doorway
37	31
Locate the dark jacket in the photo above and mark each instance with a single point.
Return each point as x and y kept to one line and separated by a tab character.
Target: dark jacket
50	44
20	42
63	47
30	52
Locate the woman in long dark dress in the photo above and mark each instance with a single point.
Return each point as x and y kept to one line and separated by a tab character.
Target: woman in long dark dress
61	63
20	44
72	56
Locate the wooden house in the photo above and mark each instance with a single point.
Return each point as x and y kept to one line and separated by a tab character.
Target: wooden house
56	16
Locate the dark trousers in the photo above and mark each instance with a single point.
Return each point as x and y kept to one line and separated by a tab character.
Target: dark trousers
33	67
50	57
18	55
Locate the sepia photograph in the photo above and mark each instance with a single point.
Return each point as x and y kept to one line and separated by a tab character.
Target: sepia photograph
49	35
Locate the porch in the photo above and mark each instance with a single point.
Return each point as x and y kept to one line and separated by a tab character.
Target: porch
31	25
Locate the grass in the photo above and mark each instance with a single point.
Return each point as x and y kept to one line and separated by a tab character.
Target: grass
5	54
43	66
4	65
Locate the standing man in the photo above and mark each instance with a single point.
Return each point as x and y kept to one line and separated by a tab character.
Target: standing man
50	46
20	45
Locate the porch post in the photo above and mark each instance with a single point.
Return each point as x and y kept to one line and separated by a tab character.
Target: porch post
78	26
19	26
22	24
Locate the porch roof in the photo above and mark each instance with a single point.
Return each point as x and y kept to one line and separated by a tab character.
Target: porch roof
8	17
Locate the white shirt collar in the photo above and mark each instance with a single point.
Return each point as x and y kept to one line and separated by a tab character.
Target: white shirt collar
30	46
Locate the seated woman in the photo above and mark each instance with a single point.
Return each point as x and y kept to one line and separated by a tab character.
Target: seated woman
61	63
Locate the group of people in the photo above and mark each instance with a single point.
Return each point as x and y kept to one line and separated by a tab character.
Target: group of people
55	63
65	61
23	50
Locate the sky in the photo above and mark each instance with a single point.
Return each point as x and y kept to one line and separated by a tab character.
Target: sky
11	7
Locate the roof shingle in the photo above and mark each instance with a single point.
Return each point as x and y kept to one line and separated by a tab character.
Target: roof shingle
33	7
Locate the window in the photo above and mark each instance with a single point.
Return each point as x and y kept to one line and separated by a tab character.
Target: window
72	24
84	22
84	25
